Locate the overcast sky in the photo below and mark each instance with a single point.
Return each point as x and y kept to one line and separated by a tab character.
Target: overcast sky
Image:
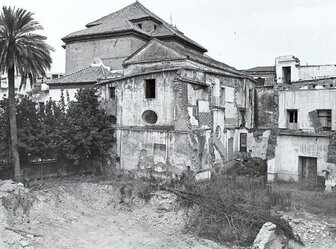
241	33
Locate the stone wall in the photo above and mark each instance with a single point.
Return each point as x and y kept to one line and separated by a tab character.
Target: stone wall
265	111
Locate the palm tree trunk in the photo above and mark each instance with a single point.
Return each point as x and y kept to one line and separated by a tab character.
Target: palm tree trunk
12	123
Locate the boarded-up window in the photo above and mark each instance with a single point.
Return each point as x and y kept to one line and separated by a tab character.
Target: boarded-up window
315	120
308	169
325	118
159	153
230	148
150	89
243	142
292	119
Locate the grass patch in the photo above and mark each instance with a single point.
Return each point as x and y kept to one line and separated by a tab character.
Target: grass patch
291	196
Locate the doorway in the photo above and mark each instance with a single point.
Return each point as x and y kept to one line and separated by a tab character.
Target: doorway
307	169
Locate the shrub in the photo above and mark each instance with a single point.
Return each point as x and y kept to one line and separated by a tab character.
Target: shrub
233	209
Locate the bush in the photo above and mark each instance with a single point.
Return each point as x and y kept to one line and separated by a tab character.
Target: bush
233	209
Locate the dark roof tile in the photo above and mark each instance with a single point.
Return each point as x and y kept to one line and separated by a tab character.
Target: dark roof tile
90	74
121	21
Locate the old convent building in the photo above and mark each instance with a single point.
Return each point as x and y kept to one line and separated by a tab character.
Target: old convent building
173	106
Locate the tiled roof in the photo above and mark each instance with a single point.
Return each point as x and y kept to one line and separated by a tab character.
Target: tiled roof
198	57
121	21
261	69
157	50
86	75
201	58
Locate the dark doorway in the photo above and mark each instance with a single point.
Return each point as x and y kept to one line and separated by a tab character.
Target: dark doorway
286	72
230	149
308	169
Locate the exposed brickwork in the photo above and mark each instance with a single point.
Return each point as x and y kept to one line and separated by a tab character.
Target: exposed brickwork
332	150
272	140
183	117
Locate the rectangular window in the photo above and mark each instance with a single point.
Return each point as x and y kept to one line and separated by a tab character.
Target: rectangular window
325	118
292	119
286	72
222	96
260	81
251	96
242	118
112	92
243	142
150	89
41	106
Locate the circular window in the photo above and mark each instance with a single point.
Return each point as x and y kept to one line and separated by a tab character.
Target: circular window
218	132
149	117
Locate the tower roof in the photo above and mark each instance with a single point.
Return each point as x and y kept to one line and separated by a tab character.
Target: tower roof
123	21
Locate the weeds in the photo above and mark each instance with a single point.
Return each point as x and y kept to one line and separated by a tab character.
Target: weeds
292	196
232	209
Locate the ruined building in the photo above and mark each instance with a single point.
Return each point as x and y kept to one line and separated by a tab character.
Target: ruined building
173	106
299	110
176	108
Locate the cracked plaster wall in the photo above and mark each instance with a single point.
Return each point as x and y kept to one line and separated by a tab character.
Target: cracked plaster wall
290	148
111	51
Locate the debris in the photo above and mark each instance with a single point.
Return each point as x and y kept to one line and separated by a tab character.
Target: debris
267	238
24	243
163	201
23	233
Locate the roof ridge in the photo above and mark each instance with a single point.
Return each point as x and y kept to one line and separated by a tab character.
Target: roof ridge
90	24
67	75
112	23
151	41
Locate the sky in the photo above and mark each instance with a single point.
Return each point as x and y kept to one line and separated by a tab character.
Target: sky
241	33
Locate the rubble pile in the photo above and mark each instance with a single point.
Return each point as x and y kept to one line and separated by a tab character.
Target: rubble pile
313	231
15	207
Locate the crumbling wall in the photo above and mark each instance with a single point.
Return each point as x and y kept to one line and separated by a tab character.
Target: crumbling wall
306	101
265	113
257	143
289	150
316	71
132	102
182	117
332	149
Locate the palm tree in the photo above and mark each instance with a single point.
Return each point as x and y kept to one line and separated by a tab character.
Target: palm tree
23	52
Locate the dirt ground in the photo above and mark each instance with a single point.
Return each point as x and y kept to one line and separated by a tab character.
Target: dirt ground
89	215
